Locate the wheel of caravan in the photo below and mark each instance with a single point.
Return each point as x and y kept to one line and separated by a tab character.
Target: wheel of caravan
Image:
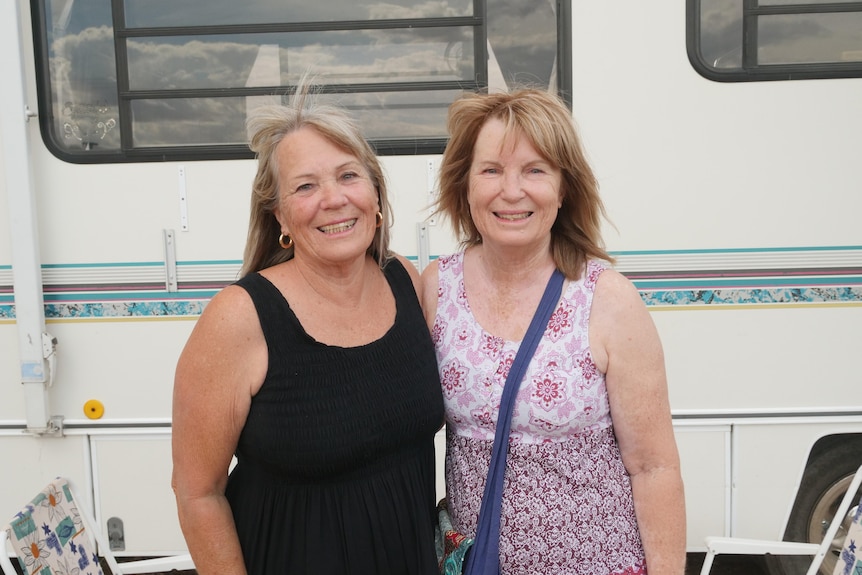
823	486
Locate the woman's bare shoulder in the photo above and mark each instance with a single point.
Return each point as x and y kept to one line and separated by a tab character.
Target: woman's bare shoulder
615	292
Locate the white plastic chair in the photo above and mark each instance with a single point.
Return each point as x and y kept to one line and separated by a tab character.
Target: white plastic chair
53	535
739	546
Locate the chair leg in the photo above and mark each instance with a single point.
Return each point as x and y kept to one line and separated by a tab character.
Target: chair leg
707	562
5	562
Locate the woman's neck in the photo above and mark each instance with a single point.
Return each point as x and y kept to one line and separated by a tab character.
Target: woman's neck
512	267
342	284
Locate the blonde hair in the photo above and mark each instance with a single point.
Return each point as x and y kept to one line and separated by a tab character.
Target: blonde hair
547	123
268	126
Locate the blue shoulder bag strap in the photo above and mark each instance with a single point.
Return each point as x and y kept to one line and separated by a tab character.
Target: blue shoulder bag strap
484	555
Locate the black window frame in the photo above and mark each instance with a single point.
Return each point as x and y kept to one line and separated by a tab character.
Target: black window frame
383	146
751	71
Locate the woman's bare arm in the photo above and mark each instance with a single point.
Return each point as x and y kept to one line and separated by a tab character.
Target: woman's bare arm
221	367
627	348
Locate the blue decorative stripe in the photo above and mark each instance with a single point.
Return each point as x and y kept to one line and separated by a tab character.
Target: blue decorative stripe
135	264
747	283
737	250
103	265
126	296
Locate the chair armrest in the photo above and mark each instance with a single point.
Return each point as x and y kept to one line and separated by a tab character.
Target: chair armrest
158	565
5	563
739	546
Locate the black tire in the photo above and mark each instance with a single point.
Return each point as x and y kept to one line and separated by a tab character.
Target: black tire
824	484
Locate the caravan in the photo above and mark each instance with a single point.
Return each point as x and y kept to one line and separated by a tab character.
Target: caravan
725	135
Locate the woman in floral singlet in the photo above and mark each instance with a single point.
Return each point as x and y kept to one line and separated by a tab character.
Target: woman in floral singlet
592	484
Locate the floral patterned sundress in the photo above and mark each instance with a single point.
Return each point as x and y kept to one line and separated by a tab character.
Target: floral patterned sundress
567	498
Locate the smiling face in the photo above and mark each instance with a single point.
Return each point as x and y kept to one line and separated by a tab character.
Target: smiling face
327	202
514	192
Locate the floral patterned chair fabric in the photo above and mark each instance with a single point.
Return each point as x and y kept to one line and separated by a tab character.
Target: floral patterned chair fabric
49	537
53	536
850	558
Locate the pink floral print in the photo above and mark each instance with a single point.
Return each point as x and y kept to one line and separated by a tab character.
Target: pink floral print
567	503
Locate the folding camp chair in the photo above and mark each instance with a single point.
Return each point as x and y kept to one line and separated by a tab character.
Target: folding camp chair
53	535
739	546
850	558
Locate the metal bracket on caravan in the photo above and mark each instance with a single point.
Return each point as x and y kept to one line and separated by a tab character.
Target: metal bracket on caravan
169	239
54	428
49	352
422	242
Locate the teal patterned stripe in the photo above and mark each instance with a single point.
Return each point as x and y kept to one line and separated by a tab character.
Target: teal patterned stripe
847	295
116	305
666	280
133	309
677	298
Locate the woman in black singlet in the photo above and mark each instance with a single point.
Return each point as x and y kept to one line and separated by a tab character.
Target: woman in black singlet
316	370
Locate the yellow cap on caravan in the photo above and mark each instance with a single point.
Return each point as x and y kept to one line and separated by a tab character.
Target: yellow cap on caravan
94	409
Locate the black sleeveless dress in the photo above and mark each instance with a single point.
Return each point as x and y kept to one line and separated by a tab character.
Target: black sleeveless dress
335	471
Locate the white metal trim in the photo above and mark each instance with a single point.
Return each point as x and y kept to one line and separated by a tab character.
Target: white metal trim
26	260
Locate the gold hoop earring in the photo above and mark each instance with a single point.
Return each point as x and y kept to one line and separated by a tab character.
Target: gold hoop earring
379	219
285	246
